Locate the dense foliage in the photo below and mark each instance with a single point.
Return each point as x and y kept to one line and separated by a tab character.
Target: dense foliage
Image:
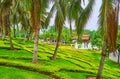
51	33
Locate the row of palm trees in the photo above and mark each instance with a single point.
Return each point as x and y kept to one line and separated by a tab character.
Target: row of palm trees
33	16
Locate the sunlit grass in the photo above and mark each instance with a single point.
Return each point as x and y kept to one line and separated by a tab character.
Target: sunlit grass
70	63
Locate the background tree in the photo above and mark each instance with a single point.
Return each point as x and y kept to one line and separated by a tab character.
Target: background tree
51	33
96	39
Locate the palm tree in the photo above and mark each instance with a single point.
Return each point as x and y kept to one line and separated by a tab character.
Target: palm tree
2	25
79	14
118	47
14	18
5	10
83	17
73	12
35	9
38	8
76	13
60	6
108	24
36	24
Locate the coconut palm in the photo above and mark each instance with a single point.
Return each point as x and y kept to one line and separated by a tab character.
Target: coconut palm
76	13
84	16
108	25
60	7
79	14
36	24
5	10
38	8
1	25
73	12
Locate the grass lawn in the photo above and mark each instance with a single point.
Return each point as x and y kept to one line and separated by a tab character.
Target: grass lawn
13	73
70	63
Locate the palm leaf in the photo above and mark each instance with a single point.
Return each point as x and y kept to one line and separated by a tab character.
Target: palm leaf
84	17
108	23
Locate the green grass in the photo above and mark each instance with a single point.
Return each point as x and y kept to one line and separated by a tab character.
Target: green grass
70	63
15	53
13	73
74	75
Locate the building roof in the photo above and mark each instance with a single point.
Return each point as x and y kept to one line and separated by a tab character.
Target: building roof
74	37
86	37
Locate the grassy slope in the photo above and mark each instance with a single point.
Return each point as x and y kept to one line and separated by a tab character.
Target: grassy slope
70	63
12	73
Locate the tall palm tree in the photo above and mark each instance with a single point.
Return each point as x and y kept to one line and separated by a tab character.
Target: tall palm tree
60	7
5	10
38	8
14	19
76	13
36	24
23	16
59	21
108	24
73	12
83	17
2	25
79	14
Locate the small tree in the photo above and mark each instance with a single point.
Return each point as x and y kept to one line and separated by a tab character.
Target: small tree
96	39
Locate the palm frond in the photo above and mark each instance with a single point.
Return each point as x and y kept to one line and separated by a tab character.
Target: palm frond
84	17
50	14
108	23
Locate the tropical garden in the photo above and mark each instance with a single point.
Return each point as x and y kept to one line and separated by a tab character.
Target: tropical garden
24	25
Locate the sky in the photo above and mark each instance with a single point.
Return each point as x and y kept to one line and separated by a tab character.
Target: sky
92	23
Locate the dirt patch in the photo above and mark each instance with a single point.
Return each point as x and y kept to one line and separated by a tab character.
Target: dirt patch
93	78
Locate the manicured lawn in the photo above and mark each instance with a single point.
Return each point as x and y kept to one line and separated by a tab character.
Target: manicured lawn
70	63
12	73
15	53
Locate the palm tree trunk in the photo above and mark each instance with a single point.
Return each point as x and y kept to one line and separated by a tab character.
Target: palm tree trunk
25	36
3	25
70	28
2	34
9	32
0	25
14	31
35	47
57	45
10	39
101	66
118	57
36	24
18	31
